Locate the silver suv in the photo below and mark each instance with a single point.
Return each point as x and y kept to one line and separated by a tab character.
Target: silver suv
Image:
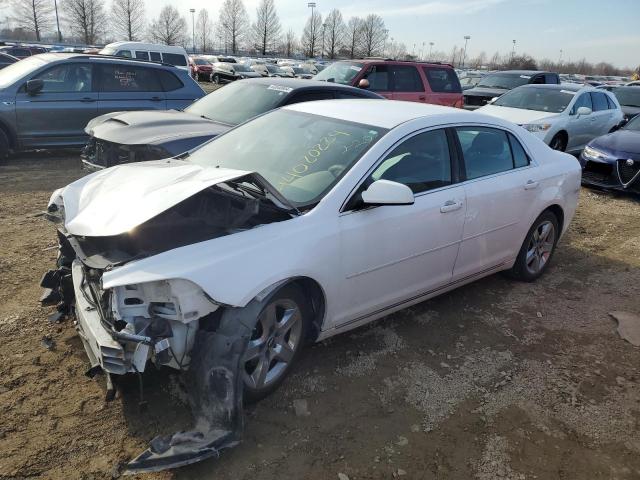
47	100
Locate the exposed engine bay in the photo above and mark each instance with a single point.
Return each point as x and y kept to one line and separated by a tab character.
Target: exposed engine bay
171	323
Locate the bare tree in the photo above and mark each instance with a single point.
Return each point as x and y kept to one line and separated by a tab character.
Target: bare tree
289	43
128	18
234	21
311	34
33	16
397	50
353	35
169	28
266	29
204	30
86	19
335	32
373	35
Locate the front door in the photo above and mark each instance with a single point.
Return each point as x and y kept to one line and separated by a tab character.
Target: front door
579	127
58	114
379	80
392	254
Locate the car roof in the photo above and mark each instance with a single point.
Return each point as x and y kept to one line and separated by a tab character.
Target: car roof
388	114
59	56
394	61
574	87
300	84
520	72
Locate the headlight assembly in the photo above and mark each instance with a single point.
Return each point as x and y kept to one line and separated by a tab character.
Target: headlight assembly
537	127
593	154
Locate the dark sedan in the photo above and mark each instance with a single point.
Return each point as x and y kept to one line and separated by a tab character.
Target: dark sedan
6	60
629	99
225	72
613	161
125	137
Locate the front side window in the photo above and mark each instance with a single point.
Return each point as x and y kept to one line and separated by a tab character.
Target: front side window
583	100
66	78
18	70
485	150
302	155
422	163
128	78
445	80
378	76
406	79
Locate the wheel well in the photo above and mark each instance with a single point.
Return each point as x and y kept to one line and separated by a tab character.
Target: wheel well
7	131
559	213
563	134
314	292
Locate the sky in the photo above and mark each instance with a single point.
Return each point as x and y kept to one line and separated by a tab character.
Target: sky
598	30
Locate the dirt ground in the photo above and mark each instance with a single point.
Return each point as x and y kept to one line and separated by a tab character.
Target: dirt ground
497	380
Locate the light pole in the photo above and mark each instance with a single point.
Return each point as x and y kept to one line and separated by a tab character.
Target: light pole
431	44
422	52
560	59
55	4
324	26
193	28
464	55
312	6
513	50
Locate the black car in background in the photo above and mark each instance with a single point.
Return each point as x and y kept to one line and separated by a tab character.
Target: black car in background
125	137
495	84
628	97
6	60
21	51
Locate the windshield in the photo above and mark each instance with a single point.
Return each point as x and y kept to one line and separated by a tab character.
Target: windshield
274	69
629	97
505	81
14	72
340	72
302	155
239	67
223	106
539	99
633	124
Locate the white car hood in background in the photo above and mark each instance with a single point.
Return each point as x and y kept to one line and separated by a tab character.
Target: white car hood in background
116	200
519	116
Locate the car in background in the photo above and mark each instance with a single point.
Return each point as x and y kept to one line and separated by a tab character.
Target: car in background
47	100
218	58
565	117
22	51
223	72
138	136
276	71
170	54
634	83
495	84
259	66
470	80
202	69
423	82
302	72
6	60
628	97
613	161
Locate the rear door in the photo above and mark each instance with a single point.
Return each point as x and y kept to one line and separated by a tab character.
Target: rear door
406	84
443	86
379	78
129	87
58	114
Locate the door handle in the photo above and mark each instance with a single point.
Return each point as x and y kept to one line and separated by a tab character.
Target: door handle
450	206
155	99
530	185
87	99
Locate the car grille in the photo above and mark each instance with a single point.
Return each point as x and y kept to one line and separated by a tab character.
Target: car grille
475	101
626	173
599	173
105	154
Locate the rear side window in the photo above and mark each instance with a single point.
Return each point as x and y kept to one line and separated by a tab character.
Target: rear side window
155	56
174	59
442	80
142	55
66	78
128	78
486	151
406	79
611	103
520	157
599	101
169	81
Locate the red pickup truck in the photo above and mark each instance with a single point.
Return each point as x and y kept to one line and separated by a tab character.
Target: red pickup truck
435	83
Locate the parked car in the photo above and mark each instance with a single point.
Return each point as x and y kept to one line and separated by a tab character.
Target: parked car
565	117
21	51
435	83
629	99
139	136
469	81
495	84
218	58
6	60
46	100
301	72
171	54
222	72
613	161
258	66
202	69
275	71
634	83
301	224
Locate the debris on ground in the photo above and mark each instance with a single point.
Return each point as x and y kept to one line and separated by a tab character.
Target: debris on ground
628	326
301	408
48	343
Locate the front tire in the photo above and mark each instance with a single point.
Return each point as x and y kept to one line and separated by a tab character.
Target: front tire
275	343
537	249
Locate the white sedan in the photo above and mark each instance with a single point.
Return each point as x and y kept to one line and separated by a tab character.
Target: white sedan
301	224
566	117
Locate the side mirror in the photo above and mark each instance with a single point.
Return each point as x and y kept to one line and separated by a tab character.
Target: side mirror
386	192
364	83
583	111
34	86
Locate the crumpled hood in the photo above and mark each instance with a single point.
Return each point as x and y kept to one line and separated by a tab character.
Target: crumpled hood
151	126
485	92
520	116
116	200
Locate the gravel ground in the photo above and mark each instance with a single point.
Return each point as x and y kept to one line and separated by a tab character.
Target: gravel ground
496	380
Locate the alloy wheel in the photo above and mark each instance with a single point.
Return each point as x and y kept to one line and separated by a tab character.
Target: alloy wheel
540	247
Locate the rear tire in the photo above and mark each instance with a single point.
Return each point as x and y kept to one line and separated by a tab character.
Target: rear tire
4	145
558	142
537	249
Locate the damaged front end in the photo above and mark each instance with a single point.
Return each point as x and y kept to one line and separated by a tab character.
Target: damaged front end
170	322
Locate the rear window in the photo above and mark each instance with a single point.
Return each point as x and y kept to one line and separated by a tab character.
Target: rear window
442	80
169	81
128	78
175	59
